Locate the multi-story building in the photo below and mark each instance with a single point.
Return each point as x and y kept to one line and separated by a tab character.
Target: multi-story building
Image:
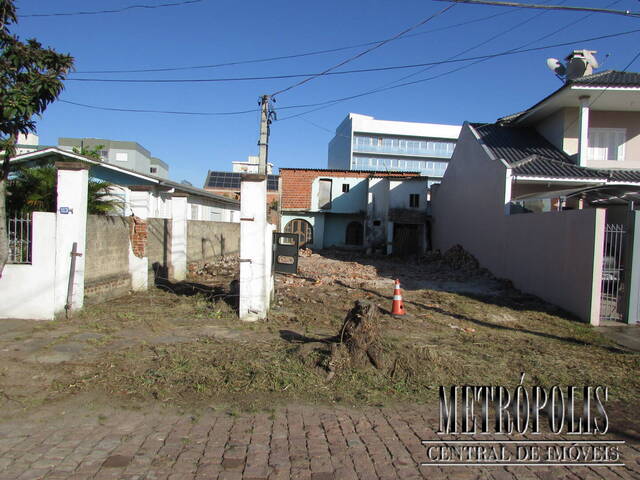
383	212
365	143
130	155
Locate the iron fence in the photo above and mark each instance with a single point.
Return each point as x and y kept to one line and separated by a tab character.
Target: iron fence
20	230
612	293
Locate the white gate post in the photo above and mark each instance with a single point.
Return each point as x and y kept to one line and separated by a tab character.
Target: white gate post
71	227
255	269
179	236
139	266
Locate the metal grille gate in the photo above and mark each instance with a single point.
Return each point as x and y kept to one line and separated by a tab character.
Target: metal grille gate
611	297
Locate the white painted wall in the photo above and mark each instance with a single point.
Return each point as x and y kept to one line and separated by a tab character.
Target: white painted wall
556	256
27	291
399	191
70	228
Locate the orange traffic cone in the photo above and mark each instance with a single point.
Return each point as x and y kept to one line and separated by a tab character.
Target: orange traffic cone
397	307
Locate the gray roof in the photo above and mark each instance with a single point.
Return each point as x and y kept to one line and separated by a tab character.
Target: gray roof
513	144
536	166
529	154
609	78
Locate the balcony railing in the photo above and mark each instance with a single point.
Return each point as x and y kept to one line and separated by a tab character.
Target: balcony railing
436	152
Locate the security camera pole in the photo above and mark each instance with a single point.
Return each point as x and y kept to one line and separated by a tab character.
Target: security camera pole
256	281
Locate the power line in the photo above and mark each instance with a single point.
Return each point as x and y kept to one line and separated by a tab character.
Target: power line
328	103
119	10
368	50
348	72
296	55
625	13
137	110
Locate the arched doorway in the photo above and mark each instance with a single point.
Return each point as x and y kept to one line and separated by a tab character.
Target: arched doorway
303	229
354	234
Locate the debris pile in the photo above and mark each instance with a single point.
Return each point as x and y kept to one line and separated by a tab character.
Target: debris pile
227	266
327	272
458	258
305	252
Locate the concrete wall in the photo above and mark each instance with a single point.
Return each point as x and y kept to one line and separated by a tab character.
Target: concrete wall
335	229
107	258
209	240
556	256
27	291
158	251
339	151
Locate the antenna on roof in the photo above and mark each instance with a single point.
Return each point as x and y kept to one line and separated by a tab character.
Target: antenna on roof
579	63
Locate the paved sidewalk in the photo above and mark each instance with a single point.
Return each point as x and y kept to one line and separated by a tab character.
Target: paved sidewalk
296	442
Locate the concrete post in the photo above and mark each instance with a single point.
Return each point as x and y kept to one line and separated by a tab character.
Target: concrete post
632	269
179	237
71	227
255	269
583	131
140	201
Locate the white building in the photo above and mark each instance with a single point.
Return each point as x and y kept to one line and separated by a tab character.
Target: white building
130	155
251	165
365	143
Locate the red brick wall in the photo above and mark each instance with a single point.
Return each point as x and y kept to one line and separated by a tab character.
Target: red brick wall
138	235
296	183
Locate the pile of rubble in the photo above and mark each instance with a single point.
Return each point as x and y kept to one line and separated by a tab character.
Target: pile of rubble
305	252
459	259
327	272
227	266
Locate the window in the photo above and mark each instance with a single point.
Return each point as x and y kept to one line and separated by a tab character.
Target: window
194	212
122	156
153	169
104	154
324	194
606	144
414	200
345	187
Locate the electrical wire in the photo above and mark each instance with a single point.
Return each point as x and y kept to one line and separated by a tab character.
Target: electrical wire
119	10
296	55
347	72
137	110
364	52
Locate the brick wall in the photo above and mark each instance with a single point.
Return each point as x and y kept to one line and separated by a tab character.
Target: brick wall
208	240
296	183
138	236
106	258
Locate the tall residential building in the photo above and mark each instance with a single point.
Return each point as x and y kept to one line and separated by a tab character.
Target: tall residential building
365	143
130	155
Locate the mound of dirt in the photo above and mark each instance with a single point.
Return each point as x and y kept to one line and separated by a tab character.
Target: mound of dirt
458	258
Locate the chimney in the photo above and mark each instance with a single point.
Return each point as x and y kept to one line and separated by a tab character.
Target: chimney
580	63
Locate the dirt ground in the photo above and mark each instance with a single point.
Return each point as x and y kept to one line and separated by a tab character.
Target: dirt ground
182	344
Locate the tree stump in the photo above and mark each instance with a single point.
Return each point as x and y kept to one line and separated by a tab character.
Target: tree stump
360	336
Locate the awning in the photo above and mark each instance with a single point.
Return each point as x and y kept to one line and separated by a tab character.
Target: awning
599	196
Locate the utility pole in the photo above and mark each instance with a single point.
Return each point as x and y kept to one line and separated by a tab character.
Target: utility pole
263	142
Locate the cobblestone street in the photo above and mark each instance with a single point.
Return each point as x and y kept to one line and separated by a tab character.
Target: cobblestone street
295	442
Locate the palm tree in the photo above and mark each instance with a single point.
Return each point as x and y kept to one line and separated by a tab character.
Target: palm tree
34	189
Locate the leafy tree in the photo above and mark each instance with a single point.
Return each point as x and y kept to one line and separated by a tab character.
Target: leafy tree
89	152
34	189
31	77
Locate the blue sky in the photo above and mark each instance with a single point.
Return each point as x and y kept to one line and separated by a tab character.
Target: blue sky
219	31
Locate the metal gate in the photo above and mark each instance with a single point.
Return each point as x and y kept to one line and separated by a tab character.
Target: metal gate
285	252
612	294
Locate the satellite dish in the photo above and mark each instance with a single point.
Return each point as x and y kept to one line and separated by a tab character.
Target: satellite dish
576	68
556	66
